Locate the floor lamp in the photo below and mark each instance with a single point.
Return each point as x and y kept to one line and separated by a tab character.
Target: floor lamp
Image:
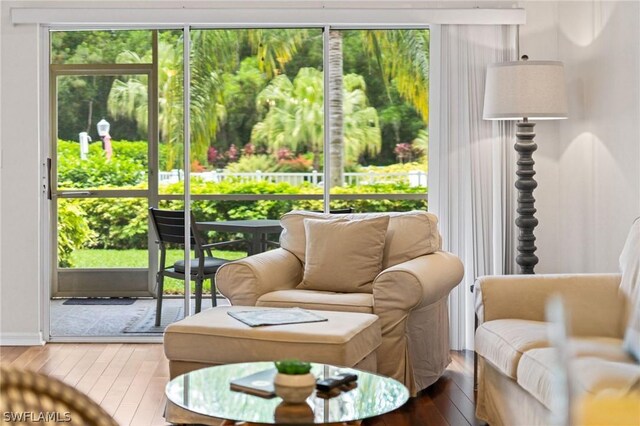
519	91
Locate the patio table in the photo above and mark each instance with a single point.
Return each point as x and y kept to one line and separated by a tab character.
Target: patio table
258	231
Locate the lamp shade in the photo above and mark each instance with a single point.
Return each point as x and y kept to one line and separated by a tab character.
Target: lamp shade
525	89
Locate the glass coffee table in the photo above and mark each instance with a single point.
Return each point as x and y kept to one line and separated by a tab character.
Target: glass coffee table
206	392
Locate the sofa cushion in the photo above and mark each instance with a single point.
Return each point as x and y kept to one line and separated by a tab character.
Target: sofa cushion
343	255
502	342
630	287
599	365
323	300
409	234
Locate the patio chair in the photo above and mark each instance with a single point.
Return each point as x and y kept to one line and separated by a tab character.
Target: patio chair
169	227
346	210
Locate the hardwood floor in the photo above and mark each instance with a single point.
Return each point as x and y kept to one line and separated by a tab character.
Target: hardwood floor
128	380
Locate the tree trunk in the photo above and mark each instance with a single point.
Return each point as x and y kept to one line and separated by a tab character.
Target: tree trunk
336	133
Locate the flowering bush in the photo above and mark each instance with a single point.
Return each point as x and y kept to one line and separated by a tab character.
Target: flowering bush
406	152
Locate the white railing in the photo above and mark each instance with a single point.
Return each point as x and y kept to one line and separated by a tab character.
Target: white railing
414	178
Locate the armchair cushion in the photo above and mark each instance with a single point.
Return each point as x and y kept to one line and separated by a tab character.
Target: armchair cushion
319	300
343	255
409	234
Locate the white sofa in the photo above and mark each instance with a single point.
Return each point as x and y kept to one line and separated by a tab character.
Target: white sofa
517	373
409	295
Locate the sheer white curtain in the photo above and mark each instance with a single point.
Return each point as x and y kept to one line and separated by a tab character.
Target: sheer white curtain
471	161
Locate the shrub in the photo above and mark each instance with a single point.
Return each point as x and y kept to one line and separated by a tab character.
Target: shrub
252	163
397	168
123	169
73	231
295	165
118	224
127	167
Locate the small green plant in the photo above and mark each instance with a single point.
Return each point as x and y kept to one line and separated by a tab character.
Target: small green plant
292	366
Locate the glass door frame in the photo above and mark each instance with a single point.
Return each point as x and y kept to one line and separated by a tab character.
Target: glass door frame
145	277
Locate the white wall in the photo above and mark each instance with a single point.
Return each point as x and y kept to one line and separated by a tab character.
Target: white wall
599	161
589	165
19	183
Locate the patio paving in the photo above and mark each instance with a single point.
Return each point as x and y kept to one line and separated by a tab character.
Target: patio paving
111	320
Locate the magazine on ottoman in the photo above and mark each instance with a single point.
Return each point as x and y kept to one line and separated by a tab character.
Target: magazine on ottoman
257	318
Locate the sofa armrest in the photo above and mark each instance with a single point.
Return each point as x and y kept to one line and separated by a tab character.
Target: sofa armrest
418	282
593	301
244	281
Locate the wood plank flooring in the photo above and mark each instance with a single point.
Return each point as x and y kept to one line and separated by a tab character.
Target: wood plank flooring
128	380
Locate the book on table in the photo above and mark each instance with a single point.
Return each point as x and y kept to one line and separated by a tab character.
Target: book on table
277	316
259	384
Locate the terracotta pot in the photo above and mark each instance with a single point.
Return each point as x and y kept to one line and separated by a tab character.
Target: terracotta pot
294	388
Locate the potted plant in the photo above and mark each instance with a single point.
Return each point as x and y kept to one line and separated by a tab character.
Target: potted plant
294	381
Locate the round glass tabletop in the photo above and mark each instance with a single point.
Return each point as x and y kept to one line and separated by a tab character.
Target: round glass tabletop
207	392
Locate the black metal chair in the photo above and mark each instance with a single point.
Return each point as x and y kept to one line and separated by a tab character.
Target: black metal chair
346	210
169	227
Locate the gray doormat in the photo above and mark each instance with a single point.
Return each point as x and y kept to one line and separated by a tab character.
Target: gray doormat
100	301
147	323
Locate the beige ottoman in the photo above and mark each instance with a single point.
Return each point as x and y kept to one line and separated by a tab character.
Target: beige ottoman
213	337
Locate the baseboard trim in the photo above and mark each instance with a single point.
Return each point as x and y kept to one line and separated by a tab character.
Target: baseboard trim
21	339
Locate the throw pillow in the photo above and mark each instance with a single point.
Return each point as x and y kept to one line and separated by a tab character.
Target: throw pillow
343	255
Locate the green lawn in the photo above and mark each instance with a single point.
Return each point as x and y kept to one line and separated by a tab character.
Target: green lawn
95	258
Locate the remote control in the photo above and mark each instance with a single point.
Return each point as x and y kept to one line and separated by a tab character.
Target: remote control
332	382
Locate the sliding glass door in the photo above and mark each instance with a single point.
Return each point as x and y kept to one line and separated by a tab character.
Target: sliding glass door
279	119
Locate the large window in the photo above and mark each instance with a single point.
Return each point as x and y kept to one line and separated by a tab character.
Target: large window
263	140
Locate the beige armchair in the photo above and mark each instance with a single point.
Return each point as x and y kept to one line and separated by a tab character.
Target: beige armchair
409	295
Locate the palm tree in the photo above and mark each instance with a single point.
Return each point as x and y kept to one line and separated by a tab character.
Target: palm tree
274	48
128	99
293	116
361	124
129	96
213	54
336	128
402	57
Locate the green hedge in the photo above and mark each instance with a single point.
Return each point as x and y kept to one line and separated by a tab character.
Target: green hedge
122	223
127	167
